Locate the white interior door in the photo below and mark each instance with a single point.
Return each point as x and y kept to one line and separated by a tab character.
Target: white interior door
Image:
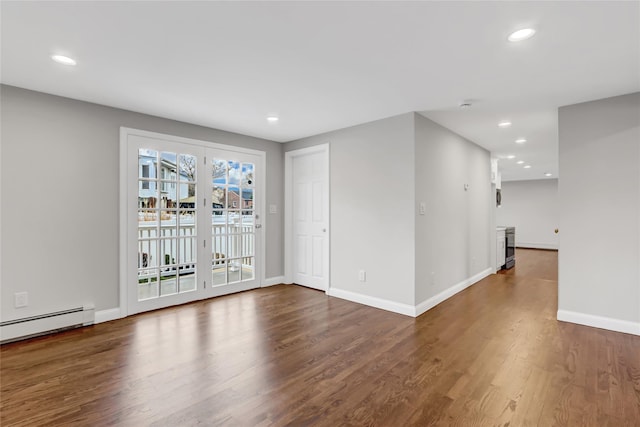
192	220
309	213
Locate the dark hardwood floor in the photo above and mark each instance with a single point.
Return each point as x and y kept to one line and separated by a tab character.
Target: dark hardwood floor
286	355
541	264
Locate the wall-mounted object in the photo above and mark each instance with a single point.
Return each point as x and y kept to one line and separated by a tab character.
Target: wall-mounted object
494	171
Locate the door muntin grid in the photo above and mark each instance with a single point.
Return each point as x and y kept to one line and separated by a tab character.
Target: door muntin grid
167	237
233	219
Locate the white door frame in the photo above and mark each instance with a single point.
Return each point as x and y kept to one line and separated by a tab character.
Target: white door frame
124	192
288	209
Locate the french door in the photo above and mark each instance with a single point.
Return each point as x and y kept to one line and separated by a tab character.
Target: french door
193	220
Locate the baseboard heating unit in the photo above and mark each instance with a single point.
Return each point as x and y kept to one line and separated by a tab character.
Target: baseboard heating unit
17	329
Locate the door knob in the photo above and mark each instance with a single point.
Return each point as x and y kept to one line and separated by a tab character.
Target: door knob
258	225
555	231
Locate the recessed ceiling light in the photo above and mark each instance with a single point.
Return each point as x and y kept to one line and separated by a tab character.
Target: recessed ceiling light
520	141
520	162
511	156
527	166
65	60
523	34
272	119
504	124
548	174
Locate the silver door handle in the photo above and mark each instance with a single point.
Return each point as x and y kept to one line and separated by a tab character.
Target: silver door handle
258	225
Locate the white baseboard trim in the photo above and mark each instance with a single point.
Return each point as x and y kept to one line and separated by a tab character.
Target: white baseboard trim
449	292
107	315
525	245
384	304
406	309
601	322
276	280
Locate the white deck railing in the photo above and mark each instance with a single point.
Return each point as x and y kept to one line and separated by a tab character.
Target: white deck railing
173	247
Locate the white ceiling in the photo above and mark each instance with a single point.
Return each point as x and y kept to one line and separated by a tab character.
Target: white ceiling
322	66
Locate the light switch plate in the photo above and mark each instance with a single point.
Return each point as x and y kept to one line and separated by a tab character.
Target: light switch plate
273	209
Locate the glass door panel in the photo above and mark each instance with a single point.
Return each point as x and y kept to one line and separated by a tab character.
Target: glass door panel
233	220
166	232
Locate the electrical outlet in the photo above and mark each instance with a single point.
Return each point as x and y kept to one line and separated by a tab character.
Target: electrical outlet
20	299
273	209
423	208
362	276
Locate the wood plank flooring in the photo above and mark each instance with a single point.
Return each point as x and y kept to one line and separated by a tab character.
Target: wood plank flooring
493	355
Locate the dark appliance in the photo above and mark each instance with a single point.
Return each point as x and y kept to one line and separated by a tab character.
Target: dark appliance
510	233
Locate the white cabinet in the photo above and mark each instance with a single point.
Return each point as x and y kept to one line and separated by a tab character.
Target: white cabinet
501	248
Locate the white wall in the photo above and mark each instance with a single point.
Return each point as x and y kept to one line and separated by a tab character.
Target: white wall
380	171
531	207
59	198
599	192
453	239
372	194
